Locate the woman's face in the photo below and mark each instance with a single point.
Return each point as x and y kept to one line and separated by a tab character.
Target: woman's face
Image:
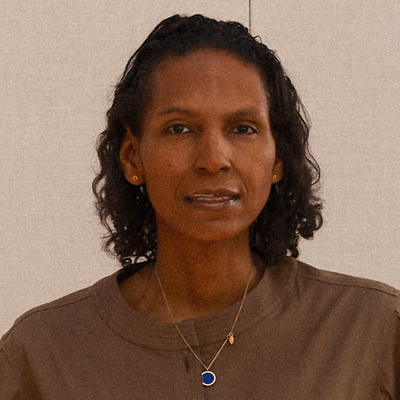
206	153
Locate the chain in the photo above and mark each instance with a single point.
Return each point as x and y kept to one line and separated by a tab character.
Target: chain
229	337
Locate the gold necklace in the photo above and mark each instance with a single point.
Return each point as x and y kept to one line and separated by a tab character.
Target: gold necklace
208	376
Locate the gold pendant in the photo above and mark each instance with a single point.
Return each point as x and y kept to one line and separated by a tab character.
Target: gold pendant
231	338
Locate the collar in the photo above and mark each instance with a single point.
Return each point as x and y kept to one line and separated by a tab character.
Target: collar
262	302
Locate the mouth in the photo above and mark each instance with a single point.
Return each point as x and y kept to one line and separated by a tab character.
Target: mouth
213	200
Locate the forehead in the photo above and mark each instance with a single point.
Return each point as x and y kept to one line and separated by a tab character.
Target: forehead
207	76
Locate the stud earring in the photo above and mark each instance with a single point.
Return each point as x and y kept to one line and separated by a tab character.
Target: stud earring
274	177
135	178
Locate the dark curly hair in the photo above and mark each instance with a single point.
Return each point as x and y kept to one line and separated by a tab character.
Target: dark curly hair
293	208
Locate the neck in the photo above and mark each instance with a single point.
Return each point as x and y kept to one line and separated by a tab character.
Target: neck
198	278
201	278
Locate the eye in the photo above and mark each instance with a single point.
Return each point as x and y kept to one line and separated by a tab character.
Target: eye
244	130
178	129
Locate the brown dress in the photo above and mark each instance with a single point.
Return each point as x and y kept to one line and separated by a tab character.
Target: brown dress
302	334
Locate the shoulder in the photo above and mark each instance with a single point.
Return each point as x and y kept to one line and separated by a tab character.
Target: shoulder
48	336
330	278
73	312
353	293
62	304
46	312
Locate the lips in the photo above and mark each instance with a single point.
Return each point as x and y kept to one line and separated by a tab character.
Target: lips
210	198
213	199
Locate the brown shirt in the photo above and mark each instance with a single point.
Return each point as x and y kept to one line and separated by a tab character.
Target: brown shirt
302	334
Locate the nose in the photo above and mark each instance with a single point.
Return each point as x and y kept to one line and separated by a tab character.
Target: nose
213	152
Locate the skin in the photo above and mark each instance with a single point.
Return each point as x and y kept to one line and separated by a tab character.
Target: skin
207	157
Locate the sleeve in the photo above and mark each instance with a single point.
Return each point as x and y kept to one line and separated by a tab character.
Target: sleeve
390	363
15	378
10	388
397	351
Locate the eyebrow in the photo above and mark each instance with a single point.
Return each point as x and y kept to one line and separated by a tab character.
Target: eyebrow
172	110
241	112
238	113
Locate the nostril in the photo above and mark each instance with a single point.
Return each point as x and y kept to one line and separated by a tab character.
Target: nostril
212	166
213	156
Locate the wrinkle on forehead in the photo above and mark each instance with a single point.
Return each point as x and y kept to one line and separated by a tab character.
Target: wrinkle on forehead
223	74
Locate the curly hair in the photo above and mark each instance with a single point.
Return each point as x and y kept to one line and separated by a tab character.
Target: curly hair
293	209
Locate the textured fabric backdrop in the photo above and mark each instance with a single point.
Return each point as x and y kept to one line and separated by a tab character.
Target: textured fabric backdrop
59	62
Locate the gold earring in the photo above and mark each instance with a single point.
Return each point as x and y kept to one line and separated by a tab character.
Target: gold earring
274	177
135	178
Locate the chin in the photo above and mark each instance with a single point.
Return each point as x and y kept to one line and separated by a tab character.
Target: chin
217	232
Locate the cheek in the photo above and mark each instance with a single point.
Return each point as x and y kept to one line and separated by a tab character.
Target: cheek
160	174
153	160
162	158
260	176
262	166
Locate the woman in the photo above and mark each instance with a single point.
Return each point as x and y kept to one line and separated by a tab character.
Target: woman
206	184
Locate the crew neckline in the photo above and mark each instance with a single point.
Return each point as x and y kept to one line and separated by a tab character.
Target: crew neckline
137	328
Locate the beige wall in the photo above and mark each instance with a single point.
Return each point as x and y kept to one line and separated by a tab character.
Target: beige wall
59	62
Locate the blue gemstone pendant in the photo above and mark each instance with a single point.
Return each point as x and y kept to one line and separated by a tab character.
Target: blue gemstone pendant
209	378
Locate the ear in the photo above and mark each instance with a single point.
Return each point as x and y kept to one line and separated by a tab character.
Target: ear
130	159
277	171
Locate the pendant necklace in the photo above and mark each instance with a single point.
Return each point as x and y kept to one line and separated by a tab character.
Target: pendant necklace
208	376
